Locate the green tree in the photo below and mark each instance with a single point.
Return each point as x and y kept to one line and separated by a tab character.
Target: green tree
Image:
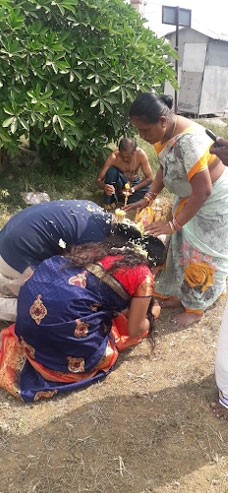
69	70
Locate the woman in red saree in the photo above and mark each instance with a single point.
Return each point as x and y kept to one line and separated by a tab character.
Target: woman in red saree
69	326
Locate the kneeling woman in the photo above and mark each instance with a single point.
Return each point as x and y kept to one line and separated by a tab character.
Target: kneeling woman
68	332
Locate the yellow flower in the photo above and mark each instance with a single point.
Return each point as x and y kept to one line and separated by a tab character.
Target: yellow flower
120	213
139	249
199	274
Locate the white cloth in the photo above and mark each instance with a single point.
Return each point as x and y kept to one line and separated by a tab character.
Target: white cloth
221	364
10	283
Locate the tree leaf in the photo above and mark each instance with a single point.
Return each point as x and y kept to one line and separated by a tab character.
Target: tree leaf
68	120
108	106
5	137
24	123
8	121
95	103
114	89
5	4
101	106
14	126
61	124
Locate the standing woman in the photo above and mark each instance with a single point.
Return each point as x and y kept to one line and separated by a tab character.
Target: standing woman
197	260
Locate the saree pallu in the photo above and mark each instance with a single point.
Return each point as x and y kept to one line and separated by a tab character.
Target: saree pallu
197	259
29	381
65	336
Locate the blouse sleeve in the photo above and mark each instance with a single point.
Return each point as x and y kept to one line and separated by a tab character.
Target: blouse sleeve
137	281
194	150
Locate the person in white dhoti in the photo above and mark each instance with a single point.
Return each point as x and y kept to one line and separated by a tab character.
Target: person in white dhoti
220	407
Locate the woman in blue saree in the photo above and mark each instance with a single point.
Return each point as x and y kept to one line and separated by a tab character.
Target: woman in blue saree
68	332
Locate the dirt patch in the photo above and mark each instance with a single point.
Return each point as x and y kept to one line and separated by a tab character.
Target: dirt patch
146	428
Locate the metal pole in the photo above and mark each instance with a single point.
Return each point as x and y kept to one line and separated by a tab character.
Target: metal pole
176	47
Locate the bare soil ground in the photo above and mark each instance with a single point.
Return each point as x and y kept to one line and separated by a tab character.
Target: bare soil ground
146	428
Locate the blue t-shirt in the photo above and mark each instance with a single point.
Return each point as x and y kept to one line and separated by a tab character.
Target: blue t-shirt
33	234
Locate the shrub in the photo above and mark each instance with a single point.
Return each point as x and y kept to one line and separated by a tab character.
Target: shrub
69	70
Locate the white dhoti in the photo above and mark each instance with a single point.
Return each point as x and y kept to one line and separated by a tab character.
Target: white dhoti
221	365
10	283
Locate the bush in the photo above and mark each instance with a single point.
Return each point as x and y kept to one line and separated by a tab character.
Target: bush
69	70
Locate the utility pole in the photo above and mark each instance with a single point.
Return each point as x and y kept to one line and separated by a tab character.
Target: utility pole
176	61
177	17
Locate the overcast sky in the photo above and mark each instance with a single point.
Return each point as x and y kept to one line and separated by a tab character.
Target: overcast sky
206	14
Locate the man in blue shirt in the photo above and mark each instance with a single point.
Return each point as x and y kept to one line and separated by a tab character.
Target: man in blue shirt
39	232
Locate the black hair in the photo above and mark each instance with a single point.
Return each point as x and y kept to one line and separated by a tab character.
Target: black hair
125	242
149	107
127	144
150	316
125	231
156	252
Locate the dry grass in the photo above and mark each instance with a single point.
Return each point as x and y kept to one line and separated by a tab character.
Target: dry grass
146	428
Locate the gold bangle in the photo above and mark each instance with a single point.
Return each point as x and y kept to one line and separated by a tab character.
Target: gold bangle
171	227
147	198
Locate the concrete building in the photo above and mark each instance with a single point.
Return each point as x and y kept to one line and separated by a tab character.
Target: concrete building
139	6
202	73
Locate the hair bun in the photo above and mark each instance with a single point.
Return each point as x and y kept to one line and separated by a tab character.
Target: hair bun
167	99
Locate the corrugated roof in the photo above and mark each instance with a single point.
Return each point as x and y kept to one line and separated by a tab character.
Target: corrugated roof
206	32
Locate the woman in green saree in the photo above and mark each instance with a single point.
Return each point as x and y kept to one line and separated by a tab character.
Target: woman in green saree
197	260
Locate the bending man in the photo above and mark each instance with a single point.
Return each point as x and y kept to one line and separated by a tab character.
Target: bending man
39	232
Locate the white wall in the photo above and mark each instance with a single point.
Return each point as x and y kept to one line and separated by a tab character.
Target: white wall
139	6
203	65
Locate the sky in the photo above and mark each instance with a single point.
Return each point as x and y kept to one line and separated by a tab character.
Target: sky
206	14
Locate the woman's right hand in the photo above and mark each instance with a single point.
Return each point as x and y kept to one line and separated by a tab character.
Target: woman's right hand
109	189
221	151
140	205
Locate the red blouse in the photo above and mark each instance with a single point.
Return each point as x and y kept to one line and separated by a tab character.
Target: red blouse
137	281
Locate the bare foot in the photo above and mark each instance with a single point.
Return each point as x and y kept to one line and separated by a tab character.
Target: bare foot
187	318
219	410
170	303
